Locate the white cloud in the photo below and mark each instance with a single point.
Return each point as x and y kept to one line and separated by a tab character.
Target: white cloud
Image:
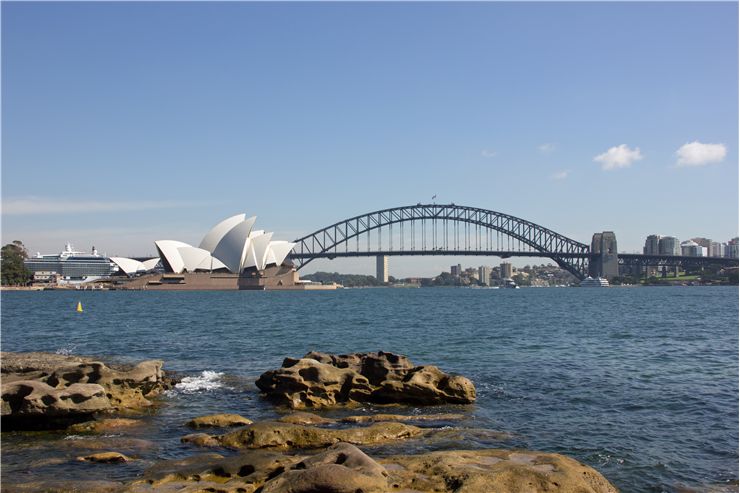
618	157
546	148
36	205
698	154
560	175
488	153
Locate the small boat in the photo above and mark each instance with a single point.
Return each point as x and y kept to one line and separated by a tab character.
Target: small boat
598	282
510	284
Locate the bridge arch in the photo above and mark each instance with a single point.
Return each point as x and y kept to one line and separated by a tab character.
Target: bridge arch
325	243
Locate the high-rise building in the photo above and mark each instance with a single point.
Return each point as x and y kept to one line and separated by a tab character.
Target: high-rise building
691	248
652	245
731	250
716	249
456	270
506	270
484	275
381	268
669	245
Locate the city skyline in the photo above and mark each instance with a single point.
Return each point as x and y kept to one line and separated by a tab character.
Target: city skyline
129	123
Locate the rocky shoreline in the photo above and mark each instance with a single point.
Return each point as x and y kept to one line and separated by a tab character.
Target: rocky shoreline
297	452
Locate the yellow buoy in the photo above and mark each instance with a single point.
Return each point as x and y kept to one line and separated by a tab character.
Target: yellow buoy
79	307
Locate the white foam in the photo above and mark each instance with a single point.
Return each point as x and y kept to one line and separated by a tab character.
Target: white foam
207	380
66	350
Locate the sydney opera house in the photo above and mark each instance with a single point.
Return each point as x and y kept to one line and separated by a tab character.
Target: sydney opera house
232	255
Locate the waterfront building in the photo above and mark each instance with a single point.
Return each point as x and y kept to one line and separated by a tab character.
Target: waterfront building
71	265
705	242
381	268
691	248
506	270
456	270
731	251
716	249
669	245
652	245
484	275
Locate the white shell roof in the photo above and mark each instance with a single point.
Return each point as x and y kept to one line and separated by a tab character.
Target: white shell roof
170	250
278	251
128	265
151	263
192	257
233	245
211	239
257	251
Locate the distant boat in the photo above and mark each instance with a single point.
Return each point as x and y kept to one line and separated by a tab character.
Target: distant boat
591	282
510	284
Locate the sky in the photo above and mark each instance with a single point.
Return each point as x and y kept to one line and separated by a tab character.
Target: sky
129	122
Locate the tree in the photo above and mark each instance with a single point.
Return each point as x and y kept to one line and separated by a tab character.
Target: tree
12	270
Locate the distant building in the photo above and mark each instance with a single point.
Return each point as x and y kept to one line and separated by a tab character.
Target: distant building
717	249
652	245
731	248
506	270
691	248
705	242
484	275
381	268
669	245
456	270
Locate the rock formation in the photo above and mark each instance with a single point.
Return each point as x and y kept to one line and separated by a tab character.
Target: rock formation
322	380
51	390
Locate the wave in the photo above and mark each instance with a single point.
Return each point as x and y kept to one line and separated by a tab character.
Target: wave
207	380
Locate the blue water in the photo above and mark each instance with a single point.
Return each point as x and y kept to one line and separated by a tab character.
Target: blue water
640	383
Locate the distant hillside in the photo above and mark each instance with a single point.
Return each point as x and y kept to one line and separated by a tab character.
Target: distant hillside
348	280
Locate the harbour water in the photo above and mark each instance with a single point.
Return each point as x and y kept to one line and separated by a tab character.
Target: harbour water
641	383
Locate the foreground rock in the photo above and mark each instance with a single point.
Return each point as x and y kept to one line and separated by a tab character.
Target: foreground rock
218	421
493	470
345	468
323	380
272	434
105	458
52	390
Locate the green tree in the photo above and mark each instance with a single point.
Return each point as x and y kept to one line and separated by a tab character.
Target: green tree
12	270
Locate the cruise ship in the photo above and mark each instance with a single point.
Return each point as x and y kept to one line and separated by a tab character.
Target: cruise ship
591	282
72	266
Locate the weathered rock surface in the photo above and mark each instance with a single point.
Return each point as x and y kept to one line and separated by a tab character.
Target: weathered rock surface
104	425
218	421
70	386
273	434
342	468
30	398
403	418
504	471
105	458
323	380
345	468
304	418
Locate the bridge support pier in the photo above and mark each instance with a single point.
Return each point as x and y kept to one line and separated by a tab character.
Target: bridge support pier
381	268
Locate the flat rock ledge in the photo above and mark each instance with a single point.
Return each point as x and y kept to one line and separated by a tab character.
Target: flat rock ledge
277	435
320	380
45	390
344	468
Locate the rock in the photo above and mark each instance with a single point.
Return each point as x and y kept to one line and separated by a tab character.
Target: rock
322	380
104	425
342	468
126	388
502	471
242	473
303	418
201	440
34	404
218	421
271	434
62	486
376	418
105	458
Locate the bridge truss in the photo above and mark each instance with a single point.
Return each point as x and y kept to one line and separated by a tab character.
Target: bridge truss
441	229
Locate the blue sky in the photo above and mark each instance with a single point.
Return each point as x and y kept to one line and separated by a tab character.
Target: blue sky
123	123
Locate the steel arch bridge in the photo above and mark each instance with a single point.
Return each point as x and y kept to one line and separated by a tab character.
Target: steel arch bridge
441	229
